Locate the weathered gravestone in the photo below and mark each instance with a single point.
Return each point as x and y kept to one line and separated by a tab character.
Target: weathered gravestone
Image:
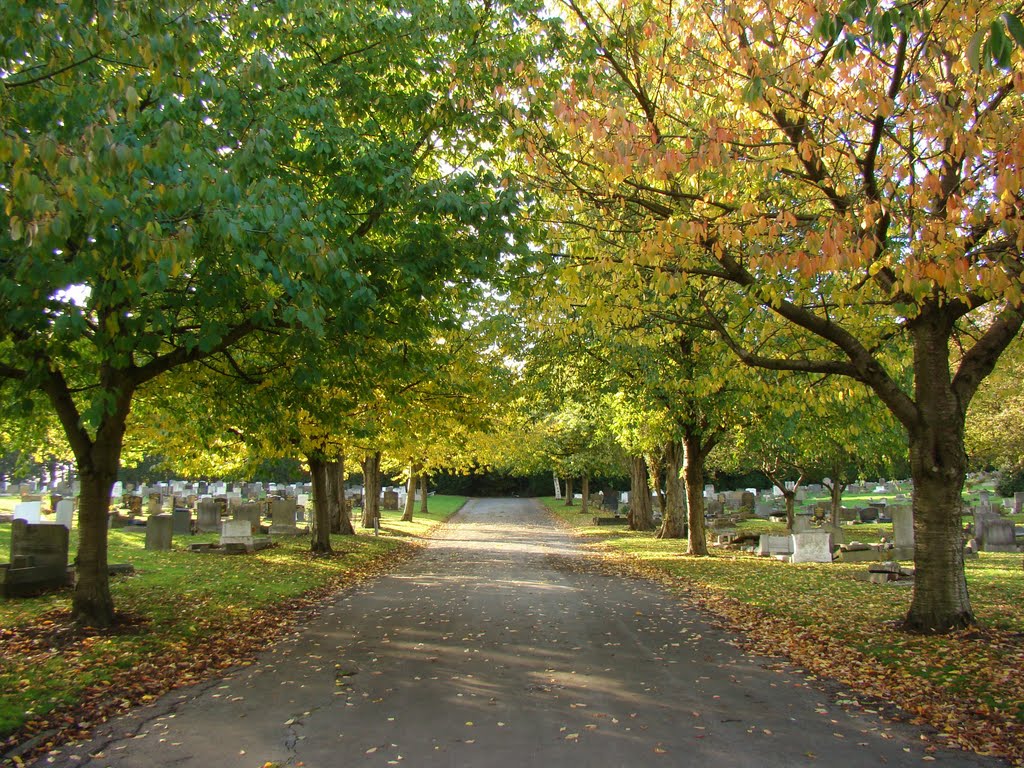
134	505
774	546
812	547
159	530
868	514
764	508
389	500
747	500
29	511
65	512
182	521
156	503
208	516
998	536
236	537
251	512
39	559
1018	502
802	523
903	532
610	500
282	517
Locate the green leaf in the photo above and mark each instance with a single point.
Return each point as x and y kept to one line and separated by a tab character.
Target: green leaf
1016	28
974	50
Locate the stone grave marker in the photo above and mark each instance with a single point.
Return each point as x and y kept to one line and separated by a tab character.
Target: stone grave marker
251	511
903	532
998	536
282	516
868	514
182	518
237	532
773	546
39	559
159	530
29	511
812	547
65	512
389	500
802	523
208	516
134	505
1018	502
610	500
747	500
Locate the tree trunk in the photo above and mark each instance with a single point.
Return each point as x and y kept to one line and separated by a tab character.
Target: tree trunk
790	497
585	490
92	604
836	494
673	522
558	488
410	493
371	489
321	540
938	467
655	467
569	493
694	454
641	515
423	494
341	523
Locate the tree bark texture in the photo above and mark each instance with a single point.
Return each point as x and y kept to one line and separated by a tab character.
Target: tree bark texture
410	493
92	604
371	489
558	488
641	513
424	507
321	539
938	467
673	522
836	494
569	492
693	471
341	523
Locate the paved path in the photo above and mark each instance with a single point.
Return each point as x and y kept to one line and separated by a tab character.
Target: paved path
499	646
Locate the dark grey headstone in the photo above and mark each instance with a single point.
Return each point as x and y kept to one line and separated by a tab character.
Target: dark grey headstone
159	531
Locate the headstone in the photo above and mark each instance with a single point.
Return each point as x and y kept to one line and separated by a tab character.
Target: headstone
773	546
237	532
812	547
159	530
611	500
282	515
29	511
302	499
998	536
709	491
984	502
252	512
118	490
134	505
713	507
208	516
1018	502
747	500
182	521
389	500
39	559
903	532
65	512
764	508
55	499
868	514
802	523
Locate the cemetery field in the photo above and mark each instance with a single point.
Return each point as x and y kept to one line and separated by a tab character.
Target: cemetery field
967	685
186	615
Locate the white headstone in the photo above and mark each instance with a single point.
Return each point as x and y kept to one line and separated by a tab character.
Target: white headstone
236	532
65	512
117	491
812	547
29	511
302	499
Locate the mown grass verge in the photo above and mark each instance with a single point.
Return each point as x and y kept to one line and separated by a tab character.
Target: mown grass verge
968	685
184	616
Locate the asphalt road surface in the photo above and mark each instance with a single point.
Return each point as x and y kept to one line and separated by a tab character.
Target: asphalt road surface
501	645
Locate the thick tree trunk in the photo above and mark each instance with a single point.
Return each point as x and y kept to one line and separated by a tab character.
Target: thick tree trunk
938	467
655	469
693	471
790	497
321	539
569	492
341	523
641	514
673	523
423	494
558	488
371	489
92	604
410	493
585	492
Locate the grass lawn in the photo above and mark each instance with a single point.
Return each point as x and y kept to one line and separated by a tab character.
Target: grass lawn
968	685
186	615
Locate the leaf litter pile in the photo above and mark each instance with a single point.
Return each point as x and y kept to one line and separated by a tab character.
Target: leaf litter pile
74	678
968	686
